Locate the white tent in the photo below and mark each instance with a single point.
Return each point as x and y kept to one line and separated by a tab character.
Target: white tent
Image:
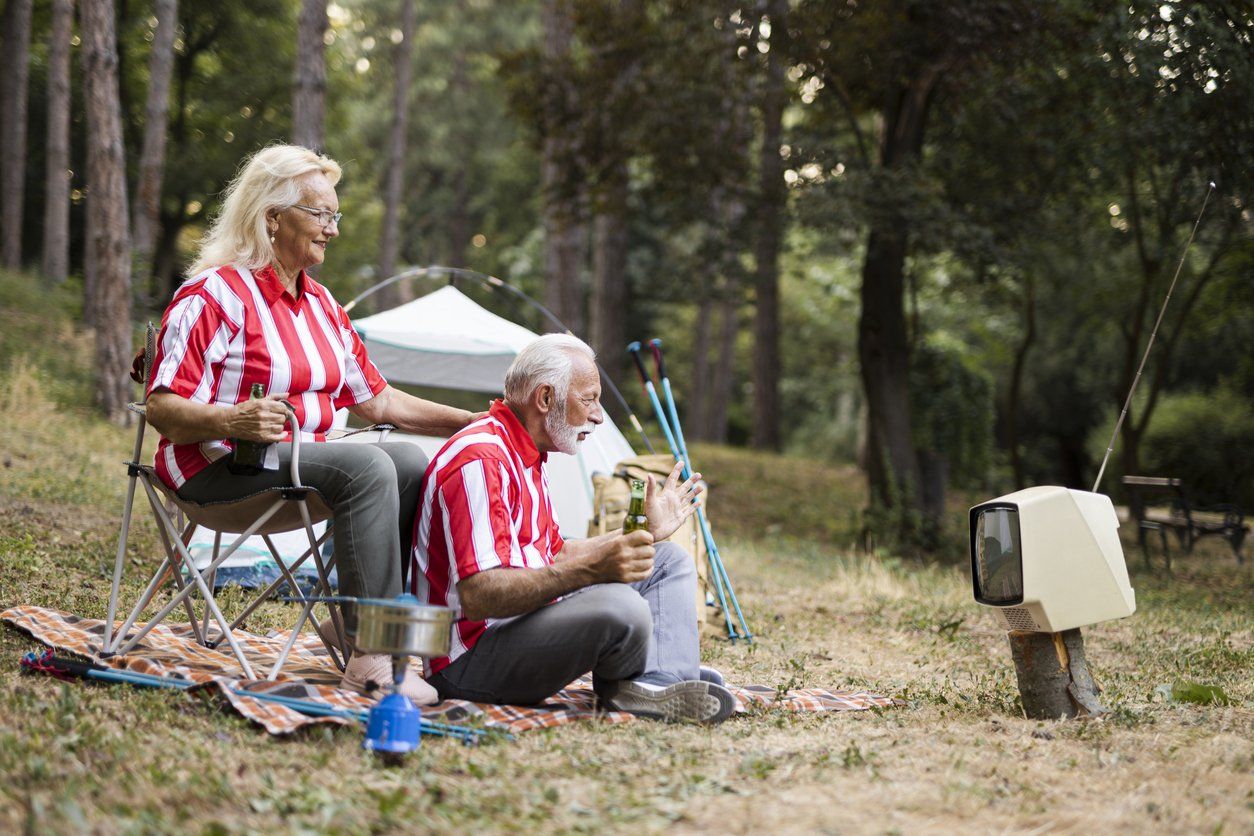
445	339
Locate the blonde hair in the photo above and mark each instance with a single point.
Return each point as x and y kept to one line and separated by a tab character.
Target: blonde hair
269	179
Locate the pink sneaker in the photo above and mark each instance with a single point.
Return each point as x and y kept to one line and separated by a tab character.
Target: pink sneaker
371	674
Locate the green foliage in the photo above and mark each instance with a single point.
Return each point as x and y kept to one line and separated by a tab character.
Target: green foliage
468	171
1206	439
1065	146
753	494
36	330
952	405
1194	692
820	388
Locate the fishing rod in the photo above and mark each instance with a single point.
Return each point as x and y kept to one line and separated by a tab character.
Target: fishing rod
502	286
1210	187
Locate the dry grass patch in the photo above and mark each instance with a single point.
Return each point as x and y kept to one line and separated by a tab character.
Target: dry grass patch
958	757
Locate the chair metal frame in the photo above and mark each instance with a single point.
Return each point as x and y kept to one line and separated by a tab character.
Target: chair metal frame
288	510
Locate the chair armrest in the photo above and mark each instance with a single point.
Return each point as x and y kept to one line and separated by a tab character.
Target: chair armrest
295	429
383	429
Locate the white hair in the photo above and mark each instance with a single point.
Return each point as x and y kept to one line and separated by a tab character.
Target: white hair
270	179
545	361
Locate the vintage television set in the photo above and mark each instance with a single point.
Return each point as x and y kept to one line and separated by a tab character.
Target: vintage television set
1048	559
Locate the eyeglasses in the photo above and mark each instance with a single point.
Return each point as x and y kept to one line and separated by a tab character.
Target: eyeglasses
325	216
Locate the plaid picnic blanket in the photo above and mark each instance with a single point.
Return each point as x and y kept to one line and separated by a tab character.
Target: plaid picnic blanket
172	650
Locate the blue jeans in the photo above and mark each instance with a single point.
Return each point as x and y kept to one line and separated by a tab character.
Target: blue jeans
645	631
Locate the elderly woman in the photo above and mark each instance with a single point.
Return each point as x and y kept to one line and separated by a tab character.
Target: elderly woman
250	313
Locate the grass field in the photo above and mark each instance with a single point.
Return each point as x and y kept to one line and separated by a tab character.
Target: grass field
957	756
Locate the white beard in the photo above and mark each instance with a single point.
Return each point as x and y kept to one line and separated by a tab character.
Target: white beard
564	437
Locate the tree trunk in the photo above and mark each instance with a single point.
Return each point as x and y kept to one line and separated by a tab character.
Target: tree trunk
608	306
884	353
699	400
1129	442
724	367
564	233
565	240
152	159
309	93
883	343
106	179
13	101
1014	392
90	273
394	178
56	239
933	483
459	231
1054	680
770	221
166	259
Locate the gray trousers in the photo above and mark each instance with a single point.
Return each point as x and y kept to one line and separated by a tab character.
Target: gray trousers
373	490
645	631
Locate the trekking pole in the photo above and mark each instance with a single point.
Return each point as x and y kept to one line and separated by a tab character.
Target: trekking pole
634	350
716	562
60	667
715	557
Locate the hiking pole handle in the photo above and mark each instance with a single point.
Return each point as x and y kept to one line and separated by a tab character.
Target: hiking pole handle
633	348
655	345
73	666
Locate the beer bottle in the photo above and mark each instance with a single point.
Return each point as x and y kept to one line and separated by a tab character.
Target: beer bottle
248	456
635	511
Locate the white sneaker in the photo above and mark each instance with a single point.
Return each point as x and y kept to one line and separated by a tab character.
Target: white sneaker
711	675
371	674
692	700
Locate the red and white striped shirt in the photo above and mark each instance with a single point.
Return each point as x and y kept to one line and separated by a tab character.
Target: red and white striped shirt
485	504
229	328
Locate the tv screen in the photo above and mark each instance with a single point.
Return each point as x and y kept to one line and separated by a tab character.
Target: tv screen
997	556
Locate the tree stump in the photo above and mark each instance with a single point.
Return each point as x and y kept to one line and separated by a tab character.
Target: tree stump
1054	680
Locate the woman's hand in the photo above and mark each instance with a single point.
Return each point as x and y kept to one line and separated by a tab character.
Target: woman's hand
668	508
264	419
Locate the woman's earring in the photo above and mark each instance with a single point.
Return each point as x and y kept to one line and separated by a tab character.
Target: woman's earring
271	238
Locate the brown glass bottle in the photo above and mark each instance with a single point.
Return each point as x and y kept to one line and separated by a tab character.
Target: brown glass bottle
248	456
635	511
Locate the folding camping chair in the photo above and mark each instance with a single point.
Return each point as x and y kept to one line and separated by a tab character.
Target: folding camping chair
263	513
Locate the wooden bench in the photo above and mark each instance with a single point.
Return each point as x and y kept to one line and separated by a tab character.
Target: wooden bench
1160	504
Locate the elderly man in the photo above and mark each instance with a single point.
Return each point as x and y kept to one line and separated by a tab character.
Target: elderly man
536	611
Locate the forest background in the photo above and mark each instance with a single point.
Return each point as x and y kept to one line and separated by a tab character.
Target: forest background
931	238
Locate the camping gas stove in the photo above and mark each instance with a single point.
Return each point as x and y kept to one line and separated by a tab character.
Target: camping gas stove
400	627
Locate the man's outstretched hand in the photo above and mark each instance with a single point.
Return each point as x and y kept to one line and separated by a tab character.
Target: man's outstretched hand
668	507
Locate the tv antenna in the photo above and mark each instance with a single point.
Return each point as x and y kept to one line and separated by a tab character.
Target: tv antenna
1132	389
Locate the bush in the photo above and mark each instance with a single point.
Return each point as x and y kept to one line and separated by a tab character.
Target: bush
1206	439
